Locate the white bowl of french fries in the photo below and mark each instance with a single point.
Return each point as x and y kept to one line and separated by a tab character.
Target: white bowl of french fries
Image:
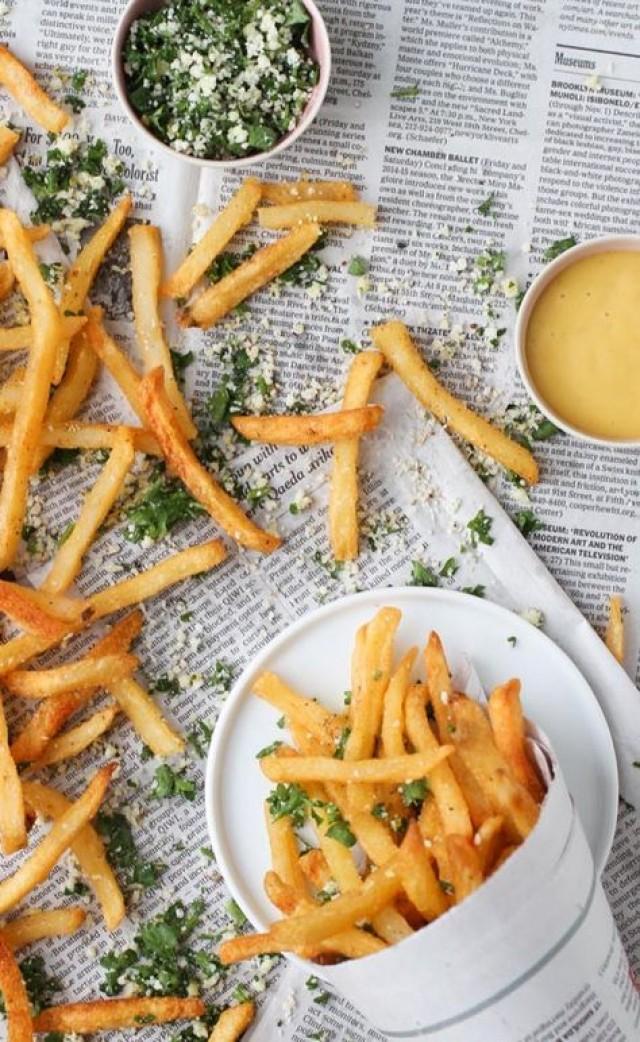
390	795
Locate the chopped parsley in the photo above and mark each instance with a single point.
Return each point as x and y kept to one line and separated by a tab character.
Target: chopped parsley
65	533
350	347
486	207
449	568
512	641
181	363
290	801
527	522
268	750
338	828
422	575
235	913
446	887
486	266
167	783
164	504
166	685
341	744
545	429
41	988
558	247
220	80
222	677
122	852
414	793
406	92
226	262
475	591
358	266
480	528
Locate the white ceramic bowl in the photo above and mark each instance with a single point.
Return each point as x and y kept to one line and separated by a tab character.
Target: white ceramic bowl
319	49
604	244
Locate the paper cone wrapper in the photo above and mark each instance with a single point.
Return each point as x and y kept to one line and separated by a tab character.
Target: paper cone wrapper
532	956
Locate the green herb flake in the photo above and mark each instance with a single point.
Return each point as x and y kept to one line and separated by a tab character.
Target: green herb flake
341	744
527	522
449	568
412	91
268	750
350	347
486	207
168	783
558	247
414	793
358	266
164	504
480	528
512	641
235	913
474	591
122	852
422	575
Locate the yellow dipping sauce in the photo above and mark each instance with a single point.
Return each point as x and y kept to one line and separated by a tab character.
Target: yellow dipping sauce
583	345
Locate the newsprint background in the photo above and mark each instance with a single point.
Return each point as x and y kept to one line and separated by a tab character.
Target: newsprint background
533	104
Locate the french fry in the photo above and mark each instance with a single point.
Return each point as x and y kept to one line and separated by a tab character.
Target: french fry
11	391
84	269
97	504
74	741
488	842
8	140
183	462
285	859
80	372
19	605
450	801
314	865
13	833
396	769
36	925
474	742
116	361
393	339
33	404
507	723
318	211
87	848
466	872
34	233
614	636
439	685
7	279
392	731
52	713
265	264
343	495
278	193
367	701
16	1000
234	216
19	82
279	893
305	712
77	434
309	430
84	672
20	338
233	1023
59	838
83	1018
432	833
147	720
418	878
146	272
504	855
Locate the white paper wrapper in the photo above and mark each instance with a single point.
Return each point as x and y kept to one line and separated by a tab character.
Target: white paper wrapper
532	956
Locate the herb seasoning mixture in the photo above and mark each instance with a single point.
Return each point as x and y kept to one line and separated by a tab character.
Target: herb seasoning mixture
221	79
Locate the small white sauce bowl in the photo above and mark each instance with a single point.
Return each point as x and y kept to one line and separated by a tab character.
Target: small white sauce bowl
604	244
319	49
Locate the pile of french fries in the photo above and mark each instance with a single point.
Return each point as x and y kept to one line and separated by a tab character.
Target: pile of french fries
474	796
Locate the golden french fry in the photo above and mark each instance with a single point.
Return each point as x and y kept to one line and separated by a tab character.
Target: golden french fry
84	269
80	372
488	842
19	605
305	712
144	714
343	496
233	1023
14	993
447	793
116	361
97	504
507	723
34	233
396	769
7	279
183	462
52	713
8	140
234	216
59	838
392	731
146	272
36	925
614	637
87	848
19	82
309	430
475	745
393	339
20	338
367	701
11	391
466	872
318	211
432	834
265	264
280	192
418	878
285	857
84	672
83	1018
281	894
28	418
13	833
439	685
74	741
77	434
314	865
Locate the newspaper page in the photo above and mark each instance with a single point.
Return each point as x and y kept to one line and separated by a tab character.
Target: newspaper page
485	132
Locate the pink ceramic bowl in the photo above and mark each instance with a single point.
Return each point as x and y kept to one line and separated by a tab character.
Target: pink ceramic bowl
319	49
